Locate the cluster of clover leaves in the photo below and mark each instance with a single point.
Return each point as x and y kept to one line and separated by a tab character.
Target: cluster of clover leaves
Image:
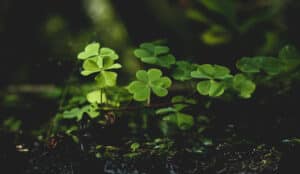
211	80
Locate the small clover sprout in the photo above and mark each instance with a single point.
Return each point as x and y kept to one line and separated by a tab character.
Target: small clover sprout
175	115
147	82
155	54
134	147
182	120
77	113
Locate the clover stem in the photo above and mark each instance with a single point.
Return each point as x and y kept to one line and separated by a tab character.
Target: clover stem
100	90
149	100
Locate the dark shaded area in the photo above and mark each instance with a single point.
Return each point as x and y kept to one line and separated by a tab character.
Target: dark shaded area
67	157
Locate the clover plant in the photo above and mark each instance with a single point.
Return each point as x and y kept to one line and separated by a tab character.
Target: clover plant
182	71
269	65
77	112
242	84
148	82
212	81
290	57
100	61
175	114
152	53
212	77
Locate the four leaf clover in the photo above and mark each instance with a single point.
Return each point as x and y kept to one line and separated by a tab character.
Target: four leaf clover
155	54
147	82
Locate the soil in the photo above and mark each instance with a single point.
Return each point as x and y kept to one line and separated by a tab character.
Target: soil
64	156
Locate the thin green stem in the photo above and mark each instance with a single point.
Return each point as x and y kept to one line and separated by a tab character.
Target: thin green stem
149	100
100	90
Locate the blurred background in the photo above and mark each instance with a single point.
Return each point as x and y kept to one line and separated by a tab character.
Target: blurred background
39	41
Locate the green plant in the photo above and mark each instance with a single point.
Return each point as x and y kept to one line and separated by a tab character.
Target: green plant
78	113
182	71
243	85
175	114
213	77
213	81
134	146
147	82
100	61
152	53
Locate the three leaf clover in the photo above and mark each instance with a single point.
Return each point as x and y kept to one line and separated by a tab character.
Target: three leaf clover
147	82
270	65
183	70
212	76
155	54
211	88
207	71
99	61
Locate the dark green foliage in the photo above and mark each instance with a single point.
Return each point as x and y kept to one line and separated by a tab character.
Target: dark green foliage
152	53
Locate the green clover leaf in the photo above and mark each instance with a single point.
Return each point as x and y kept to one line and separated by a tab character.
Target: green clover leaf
181	102
90	50
207	71
289	52
98	64
226	8
245	86
183	70
77	113
96	97
175	116
270	65
106	79
290	56
249	65
211	88
147	82
134	146
155	54
182	120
